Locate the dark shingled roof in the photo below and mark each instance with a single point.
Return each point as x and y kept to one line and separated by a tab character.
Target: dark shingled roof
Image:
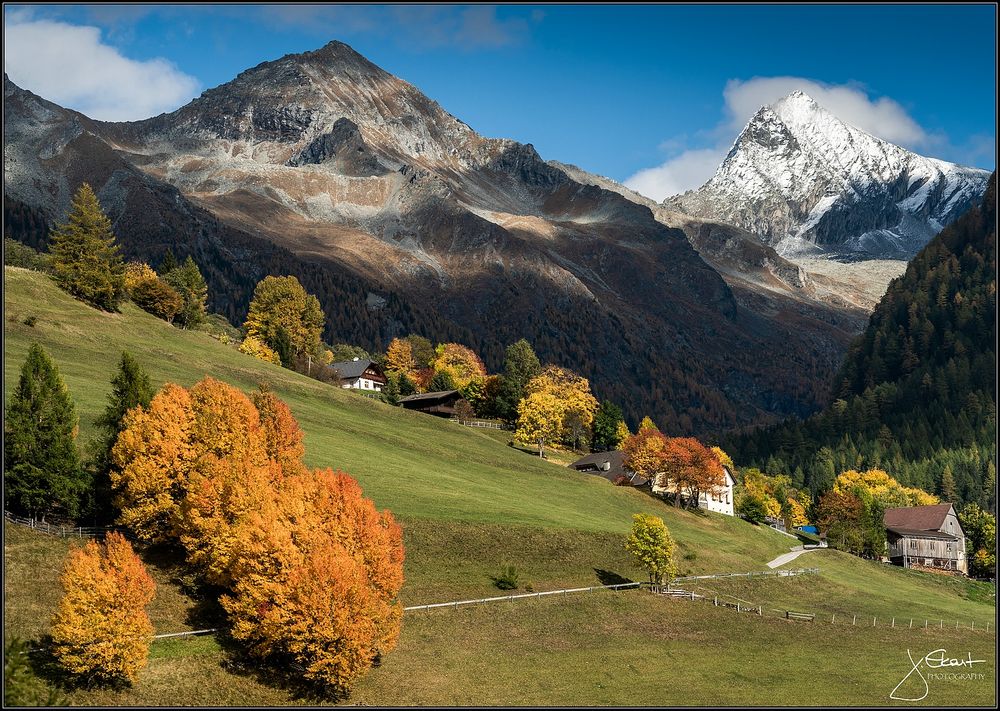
911	533
351	368
594	463
917	518
437	395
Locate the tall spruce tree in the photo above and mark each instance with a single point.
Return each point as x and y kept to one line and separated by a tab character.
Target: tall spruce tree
606	430
190	284
519	366
42	472
130	387
85	257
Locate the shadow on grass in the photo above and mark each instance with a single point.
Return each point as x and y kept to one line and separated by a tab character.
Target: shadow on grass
45	666
609	578
278	672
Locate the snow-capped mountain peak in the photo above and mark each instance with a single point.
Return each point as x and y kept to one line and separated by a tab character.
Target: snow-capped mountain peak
804	180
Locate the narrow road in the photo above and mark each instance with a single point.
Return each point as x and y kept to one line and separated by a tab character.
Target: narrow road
788	557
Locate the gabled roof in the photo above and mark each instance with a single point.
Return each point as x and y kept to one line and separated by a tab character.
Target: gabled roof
917	518
353	368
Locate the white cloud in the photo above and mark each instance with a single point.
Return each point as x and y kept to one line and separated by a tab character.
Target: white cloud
689	169
70	65
881	117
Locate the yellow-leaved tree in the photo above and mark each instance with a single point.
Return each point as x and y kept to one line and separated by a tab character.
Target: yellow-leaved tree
258	349
286	319
883	488
458	361
101	631
653	547
399	357
539	420
572	393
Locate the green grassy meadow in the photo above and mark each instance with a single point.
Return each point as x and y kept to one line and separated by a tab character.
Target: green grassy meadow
469	504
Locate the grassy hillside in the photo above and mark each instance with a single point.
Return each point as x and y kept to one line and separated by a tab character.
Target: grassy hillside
469	504
418	466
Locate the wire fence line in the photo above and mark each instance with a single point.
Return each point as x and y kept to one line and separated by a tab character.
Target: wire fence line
753	574
851	620
60	530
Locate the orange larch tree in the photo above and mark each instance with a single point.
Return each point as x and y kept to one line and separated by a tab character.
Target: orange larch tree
101	630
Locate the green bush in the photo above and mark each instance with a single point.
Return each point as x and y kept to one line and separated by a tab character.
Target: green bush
507	579
16	254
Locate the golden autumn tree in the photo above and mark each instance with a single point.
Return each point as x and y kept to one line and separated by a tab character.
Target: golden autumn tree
282	434
230	478
643	452
458	361
651	544
152	458
539	420
573	394
399	357
318	579
883	488
101	630
285	318
258	349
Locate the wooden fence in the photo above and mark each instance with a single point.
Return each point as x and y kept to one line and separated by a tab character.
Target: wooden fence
506	598
484	424
753	574
57	529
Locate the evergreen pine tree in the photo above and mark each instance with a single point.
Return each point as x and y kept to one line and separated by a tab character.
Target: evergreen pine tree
169	263
42	472
605	427
190	284
947	488
441	381
85	258
129	387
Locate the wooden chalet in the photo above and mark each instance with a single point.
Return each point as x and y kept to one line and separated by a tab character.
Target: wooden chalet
926	536
360	374
441	403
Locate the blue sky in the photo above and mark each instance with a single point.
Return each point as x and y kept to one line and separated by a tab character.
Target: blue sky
650	94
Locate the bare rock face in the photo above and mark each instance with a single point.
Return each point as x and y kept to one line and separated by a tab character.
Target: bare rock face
325	166
344	149
807	184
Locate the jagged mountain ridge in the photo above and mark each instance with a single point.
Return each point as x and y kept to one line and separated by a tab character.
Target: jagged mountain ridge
357	180
806	182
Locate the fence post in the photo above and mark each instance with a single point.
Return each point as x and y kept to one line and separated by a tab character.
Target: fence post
925	624
834	618
973	624
956	624
942	624
855	620
911	623
80	530
894	623
873	621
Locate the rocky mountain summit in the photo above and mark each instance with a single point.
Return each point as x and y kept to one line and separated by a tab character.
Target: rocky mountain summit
401	218
807	183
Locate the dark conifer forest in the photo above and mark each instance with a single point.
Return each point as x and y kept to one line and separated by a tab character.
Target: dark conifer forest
916	394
